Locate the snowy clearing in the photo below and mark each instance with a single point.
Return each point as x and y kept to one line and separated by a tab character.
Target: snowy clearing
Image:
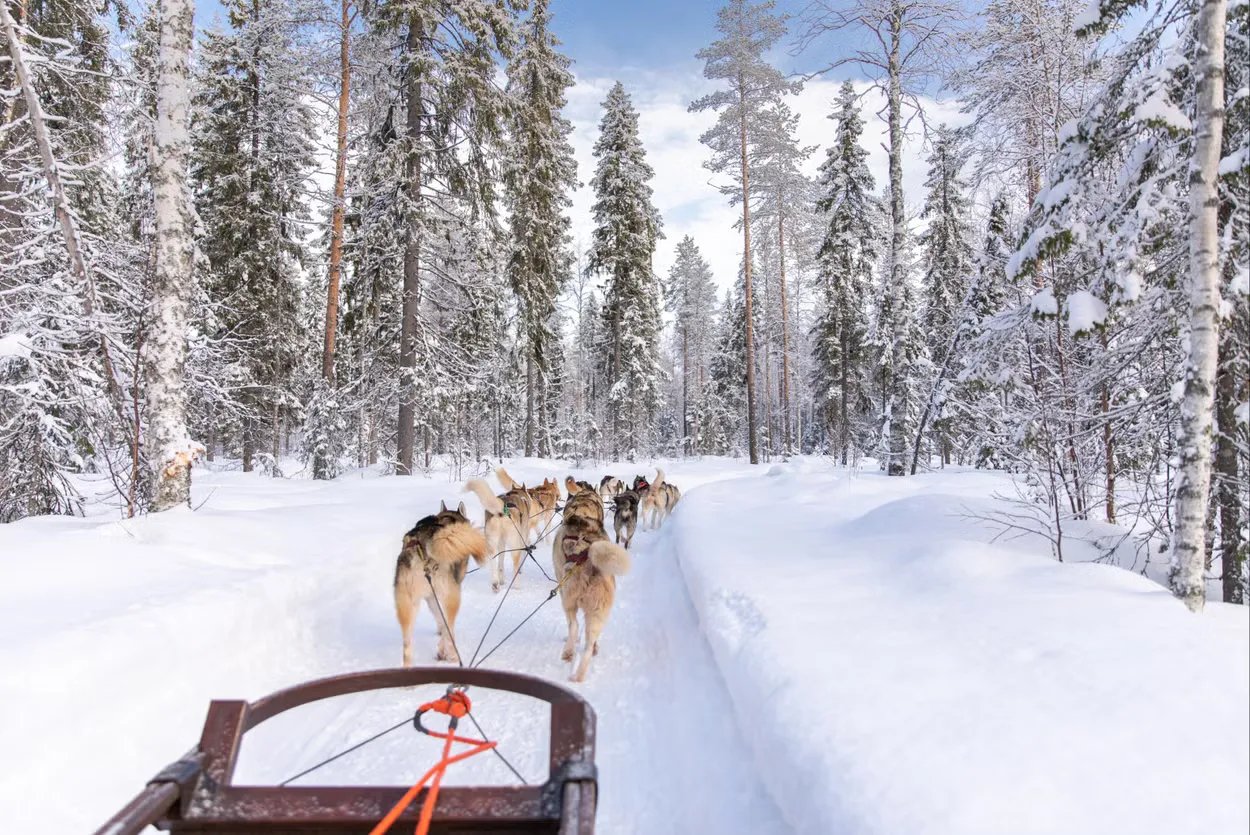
800	650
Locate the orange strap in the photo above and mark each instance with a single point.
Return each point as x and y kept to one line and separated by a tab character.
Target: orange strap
456	705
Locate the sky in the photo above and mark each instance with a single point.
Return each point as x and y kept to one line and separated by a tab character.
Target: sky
650	46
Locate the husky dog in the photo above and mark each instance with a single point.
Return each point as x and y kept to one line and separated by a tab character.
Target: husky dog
545	498
587	565
583	500
659	501
509	520
626	516
643	488
437	548
611	486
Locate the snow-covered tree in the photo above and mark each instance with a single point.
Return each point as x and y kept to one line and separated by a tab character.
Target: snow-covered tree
690	293
540	174
848	253
627	227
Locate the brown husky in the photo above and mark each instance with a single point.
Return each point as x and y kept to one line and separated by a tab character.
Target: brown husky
437	548
586	566
545	498
659	501
583	500
625	518
611	486
508	524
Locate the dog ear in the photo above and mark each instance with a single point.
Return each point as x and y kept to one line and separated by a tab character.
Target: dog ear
442	507
460	509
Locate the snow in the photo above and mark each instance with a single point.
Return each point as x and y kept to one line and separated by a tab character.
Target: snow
1158	109
1091	15
1044	303
832	651
1240	285
896	672
14	345
1234	162
1085	311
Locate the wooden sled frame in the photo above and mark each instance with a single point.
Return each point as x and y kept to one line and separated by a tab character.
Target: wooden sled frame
196	794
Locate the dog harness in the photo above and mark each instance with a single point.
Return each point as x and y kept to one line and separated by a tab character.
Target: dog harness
575	557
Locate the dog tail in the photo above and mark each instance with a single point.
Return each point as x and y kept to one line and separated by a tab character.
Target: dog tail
489	500
571	485
609	557
659	481
506	480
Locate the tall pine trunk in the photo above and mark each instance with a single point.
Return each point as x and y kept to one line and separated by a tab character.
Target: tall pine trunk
529	400
895	406
785	326
685	388
169	448
1204	324
340	177
412	257
746	271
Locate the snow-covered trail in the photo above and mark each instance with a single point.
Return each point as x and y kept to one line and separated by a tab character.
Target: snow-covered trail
275	583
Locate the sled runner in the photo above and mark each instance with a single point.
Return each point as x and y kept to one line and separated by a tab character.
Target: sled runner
196	794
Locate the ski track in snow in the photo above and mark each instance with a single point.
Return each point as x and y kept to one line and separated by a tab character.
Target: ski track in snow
274	585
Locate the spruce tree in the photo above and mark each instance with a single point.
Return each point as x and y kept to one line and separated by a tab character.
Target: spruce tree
627	227
690	294
540	174
847	256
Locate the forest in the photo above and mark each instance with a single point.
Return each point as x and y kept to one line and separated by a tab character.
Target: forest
339	232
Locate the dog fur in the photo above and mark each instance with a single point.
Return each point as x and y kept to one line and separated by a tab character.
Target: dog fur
441	546
545	498
659	501
610	486
625	517
583	500
591	587
508	525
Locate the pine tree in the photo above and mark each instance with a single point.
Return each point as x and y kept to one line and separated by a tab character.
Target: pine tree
690	294
948	265
253	142
914	36
737	58
847	257
627	227
540	174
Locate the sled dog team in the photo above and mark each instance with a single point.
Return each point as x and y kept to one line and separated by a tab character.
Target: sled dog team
435	555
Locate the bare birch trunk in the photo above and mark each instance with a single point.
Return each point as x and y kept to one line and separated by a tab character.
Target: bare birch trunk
746	268
1204	300
895	406
169	448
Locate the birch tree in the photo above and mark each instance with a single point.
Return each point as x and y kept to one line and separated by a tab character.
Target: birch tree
905	42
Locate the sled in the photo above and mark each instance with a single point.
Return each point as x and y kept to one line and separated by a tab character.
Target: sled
197	795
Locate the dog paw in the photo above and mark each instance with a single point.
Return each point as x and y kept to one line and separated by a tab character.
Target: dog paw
576	679
495	587
595	650
567	655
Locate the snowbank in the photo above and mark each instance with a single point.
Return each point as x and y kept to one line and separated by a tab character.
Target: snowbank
896	673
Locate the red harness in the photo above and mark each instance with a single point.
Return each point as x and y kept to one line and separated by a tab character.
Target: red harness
575	557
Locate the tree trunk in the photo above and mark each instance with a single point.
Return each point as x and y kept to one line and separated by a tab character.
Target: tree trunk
685	388
785	328
895	406
169	448
1232	550
1204	324
340	177
746	270
846	416
529	400
412	258
1108	442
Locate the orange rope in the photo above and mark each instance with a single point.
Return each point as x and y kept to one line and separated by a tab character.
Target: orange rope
456	705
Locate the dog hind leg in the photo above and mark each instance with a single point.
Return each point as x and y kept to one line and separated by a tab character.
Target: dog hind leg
406	606
571	616
594	627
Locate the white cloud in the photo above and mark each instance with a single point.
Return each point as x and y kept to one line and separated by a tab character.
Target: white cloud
684	194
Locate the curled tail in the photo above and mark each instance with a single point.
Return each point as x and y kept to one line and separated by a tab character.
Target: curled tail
609	558
506	480
659	481
489	500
